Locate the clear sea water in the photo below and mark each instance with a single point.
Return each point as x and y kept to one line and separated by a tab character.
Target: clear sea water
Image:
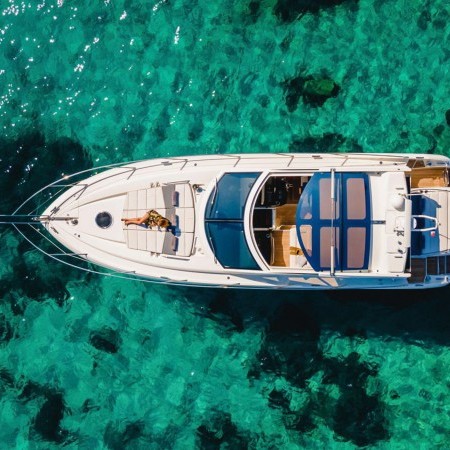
88	362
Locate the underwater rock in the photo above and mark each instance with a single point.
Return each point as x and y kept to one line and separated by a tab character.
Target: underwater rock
133	133
16	301
290	348
221	432
300	421
263	100
447	117
293	90
88	405
196	130
6	379
348	372
254	10
30	162
106	340
118	437
438	130
161	126
13	48
317	92
246	84
46	84
360	418
394	395
440	19
5	329
179	83
31	390
424	20
41	278
425	394
432	143
47	420
287	41
323	87
279	399
290	10
313	91
327	143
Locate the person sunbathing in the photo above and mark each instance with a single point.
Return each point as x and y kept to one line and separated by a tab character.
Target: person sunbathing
151	218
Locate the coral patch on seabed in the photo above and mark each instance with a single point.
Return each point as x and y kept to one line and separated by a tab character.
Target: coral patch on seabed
289	10
328	142
313	91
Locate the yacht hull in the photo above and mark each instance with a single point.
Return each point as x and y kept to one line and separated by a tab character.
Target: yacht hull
87	220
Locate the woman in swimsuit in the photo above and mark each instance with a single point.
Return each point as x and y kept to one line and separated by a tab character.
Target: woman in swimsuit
150	218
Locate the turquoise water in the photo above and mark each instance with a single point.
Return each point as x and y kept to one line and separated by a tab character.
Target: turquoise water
95	363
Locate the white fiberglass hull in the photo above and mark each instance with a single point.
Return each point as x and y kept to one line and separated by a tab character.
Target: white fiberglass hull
182	188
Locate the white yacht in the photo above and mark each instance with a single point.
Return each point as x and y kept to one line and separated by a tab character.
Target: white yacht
272	221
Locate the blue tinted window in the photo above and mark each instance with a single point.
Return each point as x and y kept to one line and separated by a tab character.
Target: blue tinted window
344	222
228	243
224	220
227	201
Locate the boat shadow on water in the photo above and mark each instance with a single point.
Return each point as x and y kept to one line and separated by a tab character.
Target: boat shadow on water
411	315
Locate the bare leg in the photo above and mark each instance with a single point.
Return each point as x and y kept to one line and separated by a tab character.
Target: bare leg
132	221
137	220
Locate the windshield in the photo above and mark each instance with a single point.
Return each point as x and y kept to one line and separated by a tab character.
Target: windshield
229	245
228	198
224	220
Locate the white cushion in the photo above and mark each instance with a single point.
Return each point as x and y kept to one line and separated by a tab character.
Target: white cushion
132	200
185	195
159	199
185	242
151	198
185	219
142	199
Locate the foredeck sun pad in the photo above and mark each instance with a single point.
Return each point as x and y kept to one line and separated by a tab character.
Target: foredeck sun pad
174	201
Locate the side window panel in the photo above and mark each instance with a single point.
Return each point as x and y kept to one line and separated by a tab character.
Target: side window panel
356	245
356	203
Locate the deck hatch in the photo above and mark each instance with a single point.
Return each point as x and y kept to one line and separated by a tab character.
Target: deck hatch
103	219
338	219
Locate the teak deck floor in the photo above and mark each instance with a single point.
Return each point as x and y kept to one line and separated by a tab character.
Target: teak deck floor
281	248
429	177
